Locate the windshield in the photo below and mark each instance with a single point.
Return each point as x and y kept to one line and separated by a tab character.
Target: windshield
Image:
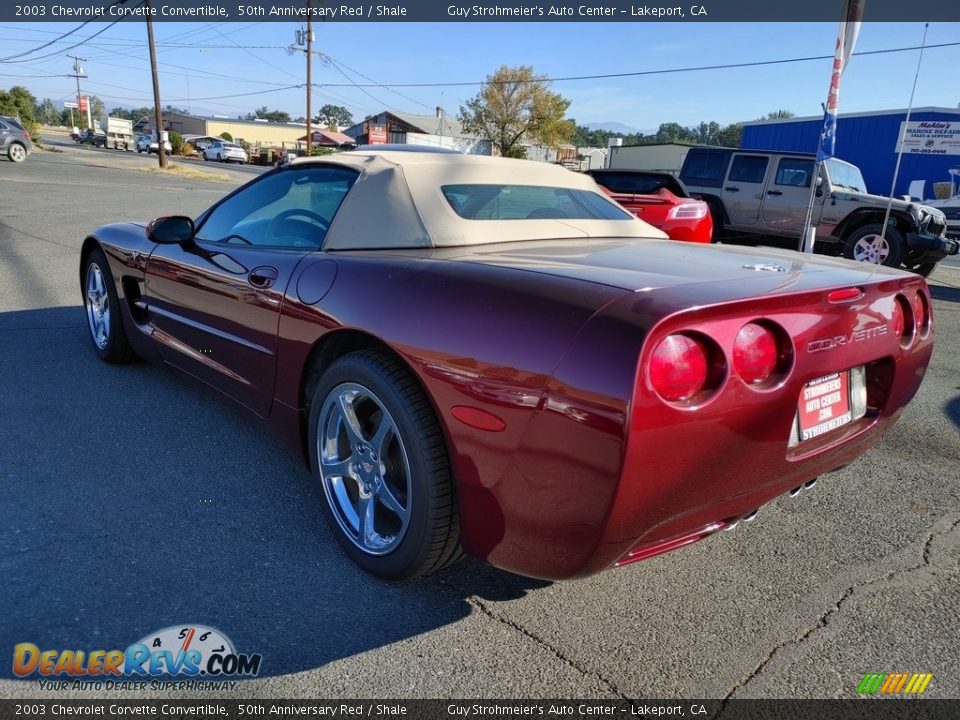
845	176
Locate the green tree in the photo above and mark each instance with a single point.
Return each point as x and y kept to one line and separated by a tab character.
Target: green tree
515	105
97	108
264	113
18	102
334	117
778	115
47	113
731	135
176	142
226	136
675	133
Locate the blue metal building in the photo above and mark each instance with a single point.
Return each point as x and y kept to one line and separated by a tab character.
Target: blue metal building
869	141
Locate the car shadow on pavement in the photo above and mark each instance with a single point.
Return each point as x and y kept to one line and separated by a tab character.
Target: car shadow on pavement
946	293
953	410
135	500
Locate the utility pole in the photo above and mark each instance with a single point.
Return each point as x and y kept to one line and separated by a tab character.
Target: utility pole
309	77
158	114
78	73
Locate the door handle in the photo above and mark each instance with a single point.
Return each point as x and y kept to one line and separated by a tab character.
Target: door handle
730	188
774	192
262	277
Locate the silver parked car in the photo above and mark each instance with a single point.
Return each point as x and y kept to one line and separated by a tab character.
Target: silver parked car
224	151
14	139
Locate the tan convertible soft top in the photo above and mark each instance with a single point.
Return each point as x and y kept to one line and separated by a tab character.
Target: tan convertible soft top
397	202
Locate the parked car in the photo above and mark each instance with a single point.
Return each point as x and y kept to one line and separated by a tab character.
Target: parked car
659	199
489	355
223	151
764	195
14	139
148	144
951	211
92	137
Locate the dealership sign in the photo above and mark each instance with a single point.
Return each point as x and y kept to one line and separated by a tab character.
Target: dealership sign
931	137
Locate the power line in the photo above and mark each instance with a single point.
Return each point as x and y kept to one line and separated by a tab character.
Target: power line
59	52
41	47
639	73
385	87
12	58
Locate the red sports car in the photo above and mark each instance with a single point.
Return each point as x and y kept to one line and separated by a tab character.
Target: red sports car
659	199
489	356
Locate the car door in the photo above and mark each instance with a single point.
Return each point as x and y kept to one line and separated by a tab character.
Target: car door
786	196
742	192
215	302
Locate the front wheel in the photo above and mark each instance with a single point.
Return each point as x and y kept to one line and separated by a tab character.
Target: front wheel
102	308
870	244
378	452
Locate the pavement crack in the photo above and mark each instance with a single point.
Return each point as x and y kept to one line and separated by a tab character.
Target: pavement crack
484	609
825	617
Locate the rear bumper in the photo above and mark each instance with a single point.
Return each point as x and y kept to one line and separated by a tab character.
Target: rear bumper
598	482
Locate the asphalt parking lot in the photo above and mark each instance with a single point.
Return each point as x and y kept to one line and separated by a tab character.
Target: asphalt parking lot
134	500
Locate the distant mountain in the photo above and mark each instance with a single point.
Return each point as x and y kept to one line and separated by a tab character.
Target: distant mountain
613	127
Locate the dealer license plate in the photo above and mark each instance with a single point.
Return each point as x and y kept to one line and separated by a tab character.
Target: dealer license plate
824	405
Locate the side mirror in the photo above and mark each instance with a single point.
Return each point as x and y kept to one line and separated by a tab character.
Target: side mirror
819	180
171	230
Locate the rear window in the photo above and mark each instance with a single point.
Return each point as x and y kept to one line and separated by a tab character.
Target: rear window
530	202
639	183
705	167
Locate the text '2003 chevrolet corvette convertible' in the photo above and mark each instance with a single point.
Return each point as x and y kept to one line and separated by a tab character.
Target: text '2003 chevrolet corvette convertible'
489	356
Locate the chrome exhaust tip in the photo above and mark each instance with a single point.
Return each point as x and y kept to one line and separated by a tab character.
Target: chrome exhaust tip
810	484
732	526
795	491
751	515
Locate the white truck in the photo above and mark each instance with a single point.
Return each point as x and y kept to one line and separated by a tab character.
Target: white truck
117	133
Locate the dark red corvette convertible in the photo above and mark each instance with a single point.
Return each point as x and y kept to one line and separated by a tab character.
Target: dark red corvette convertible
488	356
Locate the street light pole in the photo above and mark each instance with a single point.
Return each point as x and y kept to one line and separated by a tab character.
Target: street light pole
158	114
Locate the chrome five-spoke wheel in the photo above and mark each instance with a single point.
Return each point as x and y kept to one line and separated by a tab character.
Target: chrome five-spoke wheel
377	450
365	468
98	306
102	308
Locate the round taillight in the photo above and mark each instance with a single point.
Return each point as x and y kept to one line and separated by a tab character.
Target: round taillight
755	353
921	313
679	367
902	321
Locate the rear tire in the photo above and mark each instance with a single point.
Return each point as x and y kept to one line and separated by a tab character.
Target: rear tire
866	245
102	308
17	153
378	452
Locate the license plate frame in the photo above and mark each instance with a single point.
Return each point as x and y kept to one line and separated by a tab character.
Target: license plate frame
824	405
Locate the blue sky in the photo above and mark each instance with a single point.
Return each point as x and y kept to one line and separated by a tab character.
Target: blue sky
119	73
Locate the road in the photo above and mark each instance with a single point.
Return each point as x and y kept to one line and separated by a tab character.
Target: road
134	500
60	140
